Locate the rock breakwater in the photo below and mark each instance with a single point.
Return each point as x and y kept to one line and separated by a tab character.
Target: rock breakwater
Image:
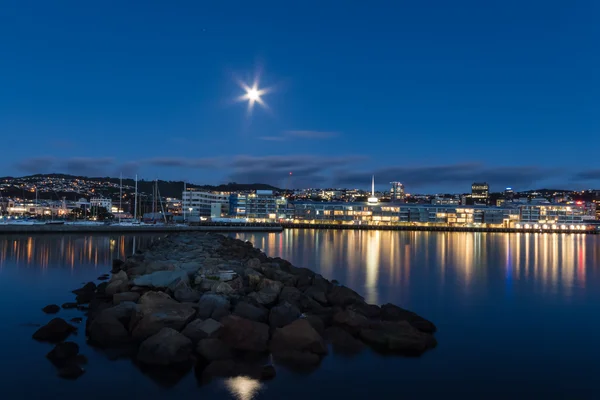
224	307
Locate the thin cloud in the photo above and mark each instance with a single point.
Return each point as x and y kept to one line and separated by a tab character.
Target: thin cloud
292	135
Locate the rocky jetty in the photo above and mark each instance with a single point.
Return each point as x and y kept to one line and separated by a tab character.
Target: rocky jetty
223	306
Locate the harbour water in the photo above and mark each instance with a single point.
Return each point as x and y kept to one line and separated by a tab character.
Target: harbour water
516	316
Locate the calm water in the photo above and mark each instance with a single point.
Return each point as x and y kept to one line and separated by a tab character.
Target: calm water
517	316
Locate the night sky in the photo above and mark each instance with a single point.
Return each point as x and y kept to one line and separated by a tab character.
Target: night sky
435	94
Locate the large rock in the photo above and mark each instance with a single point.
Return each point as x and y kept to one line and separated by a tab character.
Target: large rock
254	277
63	353
162	279
121	312
342	341
391	312
107	331
185	294
283	314
397	337
291	295
54	331
222	288
149	318
350	321
88	287
251	312
119	298
343	296
115	287
268	292
317	294
370	311
198	329
154	298
298	336
166	347
213	306
51	309
119	276
242	334
213	349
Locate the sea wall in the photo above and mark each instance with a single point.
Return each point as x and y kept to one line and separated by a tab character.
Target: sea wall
223	307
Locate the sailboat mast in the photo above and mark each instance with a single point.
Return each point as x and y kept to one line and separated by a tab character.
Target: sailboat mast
120	197
182	200
135	201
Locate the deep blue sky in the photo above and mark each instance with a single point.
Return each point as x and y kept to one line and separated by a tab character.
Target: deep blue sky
435	94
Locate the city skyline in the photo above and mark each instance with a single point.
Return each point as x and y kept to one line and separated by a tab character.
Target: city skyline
434	96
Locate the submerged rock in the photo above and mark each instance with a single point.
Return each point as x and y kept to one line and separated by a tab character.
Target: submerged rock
243	334
56	330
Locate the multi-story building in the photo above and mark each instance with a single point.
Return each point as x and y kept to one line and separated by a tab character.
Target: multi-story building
397	192
101	202
558	214
260	206
198	204
480	192
428	214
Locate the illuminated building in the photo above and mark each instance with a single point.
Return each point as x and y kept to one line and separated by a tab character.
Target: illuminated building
101	202
397	192
198	204
509	194
480	192
260	206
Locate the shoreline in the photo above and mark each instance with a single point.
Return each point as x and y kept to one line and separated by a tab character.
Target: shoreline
266	227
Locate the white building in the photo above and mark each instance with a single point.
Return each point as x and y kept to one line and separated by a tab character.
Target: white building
199	203
101	202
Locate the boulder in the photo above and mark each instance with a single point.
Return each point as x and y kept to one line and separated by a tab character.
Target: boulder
254	277
213	349
281	276
119	276
185	294
54	331
291	295
116	287
166	347
317	323
316	294
350	321
88	287
342	341
119	298
283	314
222	288
321	283
151	317
298	336
237	284
107	331
198	329
51	309
268	292
391	312
243	334
397	337
213	306
251	311
63	353
154	298
343	296
253	263
121	312
162	279
370	311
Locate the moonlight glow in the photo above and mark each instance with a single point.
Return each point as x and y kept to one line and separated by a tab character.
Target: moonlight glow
253	95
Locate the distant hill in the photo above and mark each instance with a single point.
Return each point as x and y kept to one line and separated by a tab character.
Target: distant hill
166	188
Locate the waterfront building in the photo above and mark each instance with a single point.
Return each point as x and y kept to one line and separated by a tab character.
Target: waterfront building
260	206
198	204
413	214
480	192
101	202
509	194
445	201
397	194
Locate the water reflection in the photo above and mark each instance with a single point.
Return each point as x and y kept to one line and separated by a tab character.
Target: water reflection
243	387
69	251
372	260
